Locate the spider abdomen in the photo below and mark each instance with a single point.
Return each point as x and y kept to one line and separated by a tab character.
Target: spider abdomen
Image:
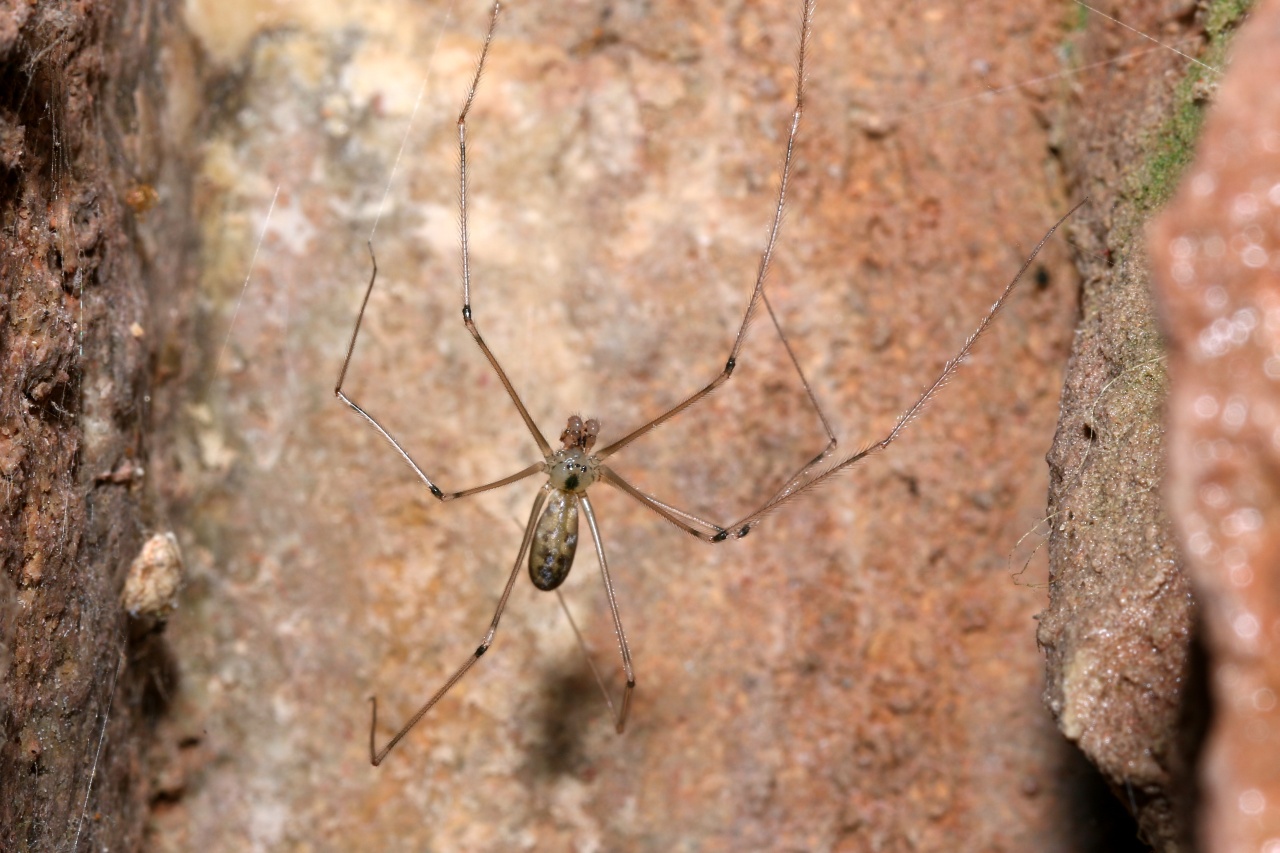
555	541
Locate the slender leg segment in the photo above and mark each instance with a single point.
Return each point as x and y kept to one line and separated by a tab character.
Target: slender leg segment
741	528
805	479
688	522
586	653
813	401
375	755
757	293
435	490
620	721
538	437
342	377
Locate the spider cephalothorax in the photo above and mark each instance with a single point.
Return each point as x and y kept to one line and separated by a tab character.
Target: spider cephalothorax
570	471
573	468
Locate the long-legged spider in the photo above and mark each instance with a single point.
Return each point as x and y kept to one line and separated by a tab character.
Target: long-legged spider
551	534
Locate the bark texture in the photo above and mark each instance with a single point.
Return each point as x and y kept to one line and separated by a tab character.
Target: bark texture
82	153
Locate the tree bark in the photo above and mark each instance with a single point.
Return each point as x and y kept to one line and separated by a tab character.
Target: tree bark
83	158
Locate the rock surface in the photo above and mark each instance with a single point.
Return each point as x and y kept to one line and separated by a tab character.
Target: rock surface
859	673
1217	258
1118	634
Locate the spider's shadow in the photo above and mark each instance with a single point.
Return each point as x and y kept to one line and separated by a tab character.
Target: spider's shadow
569	706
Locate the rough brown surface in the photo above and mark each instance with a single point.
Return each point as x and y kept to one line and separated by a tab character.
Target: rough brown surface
861	672
79	137
1217	257
1118	632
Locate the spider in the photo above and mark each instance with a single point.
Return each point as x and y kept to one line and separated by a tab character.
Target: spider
550	537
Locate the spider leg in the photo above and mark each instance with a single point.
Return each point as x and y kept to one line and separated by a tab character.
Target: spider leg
686	521
541	441
806	478
376	756
826	452
535	468
799	486
586	653
466	258
385	433
707	531
757	293
620	721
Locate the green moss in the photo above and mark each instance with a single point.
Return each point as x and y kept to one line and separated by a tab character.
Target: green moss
1172	146
1224	16
1170	152
1077	21
1081	19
